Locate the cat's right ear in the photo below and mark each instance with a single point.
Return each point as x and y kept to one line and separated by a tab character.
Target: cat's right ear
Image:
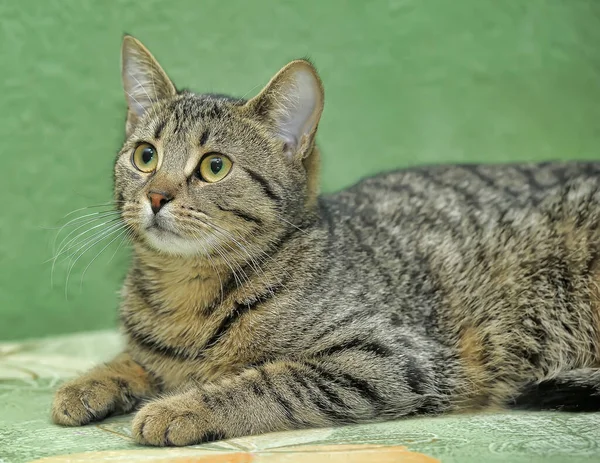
144	81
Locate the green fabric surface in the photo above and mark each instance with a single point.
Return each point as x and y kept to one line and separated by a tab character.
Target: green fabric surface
407	82
31	371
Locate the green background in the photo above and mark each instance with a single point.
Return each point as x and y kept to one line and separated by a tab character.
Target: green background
407	82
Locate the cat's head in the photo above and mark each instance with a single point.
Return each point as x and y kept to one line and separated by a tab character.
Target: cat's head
198	173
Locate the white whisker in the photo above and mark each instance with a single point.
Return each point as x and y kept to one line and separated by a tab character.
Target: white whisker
81	244
98	216
68	247
251	90
62	248
211	263
127	237
290	223
88	207
103	235
97	255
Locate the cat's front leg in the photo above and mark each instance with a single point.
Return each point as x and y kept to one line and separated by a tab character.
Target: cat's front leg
111	388
256	401
276	396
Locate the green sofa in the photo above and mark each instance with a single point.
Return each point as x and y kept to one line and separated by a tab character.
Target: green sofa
30	371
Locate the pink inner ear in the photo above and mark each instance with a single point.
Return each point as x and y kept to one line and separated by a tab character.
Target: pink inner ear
297	103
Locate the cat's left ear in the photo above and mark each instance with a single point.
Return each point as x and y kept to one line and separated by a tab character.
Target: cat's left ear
291	104
144	81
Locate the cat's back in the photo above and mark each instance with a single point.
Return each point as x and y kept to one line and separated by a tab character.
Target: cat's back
416	218
451	195
401	242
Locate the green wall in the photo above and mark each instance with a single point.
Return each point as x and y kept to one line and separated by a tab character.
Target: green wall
407	82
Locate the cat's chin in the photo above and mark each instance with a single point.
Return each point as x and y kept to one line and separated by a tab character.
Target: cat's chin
169	242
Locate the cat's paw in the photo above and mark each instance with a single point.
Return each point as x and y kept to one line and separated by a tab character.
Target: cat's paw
174	421
85	400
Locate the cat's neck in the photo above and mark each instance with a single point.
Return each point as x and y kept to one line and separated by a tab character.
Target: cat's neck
176	266
208	281
202	280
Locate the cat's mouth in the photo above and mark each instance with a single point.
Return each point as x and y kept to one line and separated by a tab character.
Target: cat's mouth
163	236
161	228
162	233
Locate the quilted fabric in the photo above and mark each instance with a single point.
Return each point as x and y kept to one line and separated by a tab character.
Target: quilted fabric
30	371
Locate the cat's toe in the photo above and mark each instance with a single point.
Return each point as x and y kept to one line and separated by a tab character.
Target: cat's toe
166	423
78	403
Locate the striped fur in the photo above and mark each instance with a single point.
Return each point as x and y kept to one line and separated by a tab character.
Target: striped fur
423	291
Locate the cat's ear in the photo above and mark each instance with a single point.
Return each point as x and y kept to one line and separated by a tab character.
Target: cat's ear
291	104
144	81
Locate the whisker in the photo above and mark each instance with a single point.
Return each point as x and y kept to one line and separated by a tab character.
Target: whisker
81	244
250	249
63	247
251	90
98	216
82	217
127	237
260	252
211	263
251	260
97	255
102	237
253	264
92	206
223	255
68	247
290	223
262	274
252	255
76	219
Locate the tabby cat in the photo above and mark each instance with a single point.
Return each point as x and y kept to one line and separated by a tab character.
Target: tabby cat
254	305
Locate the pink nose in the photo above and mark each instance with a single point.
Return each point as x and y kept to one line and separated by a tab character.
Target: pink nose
158	199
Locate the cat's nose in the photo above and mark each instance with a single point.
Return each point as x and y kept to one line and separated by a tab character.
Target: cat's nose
158	199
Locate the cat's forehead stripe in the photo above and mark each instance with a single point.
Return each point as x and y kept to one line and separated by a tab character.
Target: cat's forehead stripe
159	128
204	137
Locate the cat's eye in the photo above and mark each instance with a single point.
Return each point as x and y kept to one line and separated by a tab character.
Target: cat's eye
145	157
213	167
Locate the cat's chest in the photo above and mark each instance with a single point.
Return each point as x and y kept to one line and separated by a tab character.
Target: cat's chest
179	338
177	349
187	297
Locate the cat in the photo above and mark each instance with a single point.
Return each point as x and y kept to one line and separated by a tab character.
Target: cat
254	304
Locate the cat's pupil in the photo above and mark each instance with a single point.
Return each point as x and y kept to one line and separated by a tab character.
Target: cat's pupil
216	165
147	155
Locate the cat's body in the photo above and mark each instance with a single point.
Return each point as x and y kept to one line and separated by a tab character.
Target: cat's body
427	290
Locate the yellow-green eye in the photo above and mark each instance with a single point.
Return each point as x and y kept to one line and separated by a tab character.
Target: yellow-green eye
145	157
213	167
